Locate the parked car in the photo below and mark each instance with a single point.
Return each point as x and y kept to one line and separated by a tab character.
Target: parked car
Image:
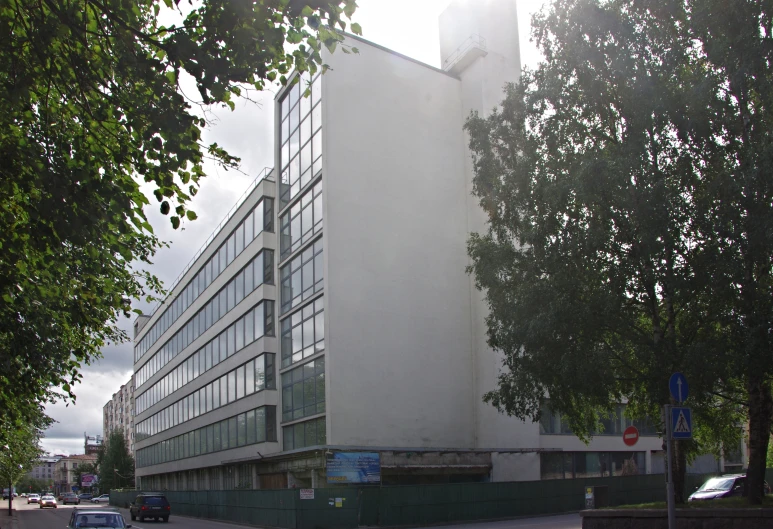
722	487
33	498
150	505
48	501
105	498
96	517
69	497
85	496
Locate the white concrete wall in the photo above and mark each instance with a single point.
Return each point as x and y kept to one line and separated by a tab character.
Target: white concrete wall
515	466
396	293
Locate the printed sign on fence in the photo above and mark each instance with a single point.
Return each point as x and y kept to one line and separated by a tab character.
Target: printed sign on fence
354	467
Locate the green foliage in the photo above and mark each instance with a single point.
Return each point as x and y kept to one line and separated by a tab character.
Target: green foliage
92	125
19	450
115	463
627	185
28	484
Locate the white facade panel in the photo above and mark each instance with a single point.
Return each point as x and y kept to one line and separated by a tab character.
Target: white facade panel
397	297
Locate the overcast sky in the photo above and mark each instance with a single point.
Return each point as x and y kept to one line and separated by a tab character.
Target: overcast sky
409	27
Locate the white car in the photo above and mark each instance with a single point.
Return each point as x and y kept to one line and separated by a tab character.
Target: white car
105	498
48	501
33	498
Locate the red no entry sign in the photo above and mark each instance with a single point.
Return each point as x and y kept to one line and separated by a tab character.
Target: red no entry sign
630	435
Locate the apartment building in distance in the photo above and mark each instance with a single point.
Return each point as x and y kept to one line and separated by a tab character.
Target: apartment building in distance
118	412
332	312
44	469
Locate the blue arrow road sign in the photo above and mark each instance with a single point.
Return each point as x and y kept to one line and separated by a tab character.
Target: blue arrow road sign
681	423
677	384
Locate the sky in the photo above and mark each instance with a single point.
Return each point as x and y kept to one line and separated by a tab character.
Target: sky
409	27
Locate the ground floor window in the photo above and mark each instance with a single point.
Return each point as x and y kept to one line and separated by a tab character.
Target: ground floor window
569	465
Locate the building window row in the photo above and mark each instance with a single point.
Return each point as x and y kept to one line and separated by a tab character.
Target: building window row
303	333
302	277
256	375
551	423
301	222
572	465
252	427
255	324
303	391
260	219
257	272
304	434
301	139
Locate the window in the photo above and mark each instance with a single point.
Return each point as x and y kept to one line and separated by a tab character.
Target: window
254	426
303	333
255	375
239	239
302	221
300	133
303	390
613	424
304	434
571	465
302	277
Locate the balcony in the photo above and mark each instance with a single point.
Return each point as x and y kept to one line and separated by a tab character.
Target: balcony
468	51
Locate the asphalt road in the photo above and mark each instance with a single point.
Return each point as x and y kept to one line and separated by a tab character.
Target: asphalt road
33	517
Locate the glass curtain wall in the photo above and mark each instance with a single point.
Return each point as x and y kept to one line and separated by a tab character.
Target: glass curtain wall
301	264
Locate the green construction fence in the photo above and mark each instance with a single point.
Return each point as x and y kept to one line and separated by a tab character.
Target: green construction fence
350	507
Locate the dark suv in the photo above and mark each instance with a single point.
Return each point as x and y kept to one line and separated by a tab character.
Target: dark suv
150	505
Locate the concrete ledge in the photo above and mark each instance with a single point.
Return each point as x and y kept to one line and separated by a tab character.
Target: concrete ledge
751	518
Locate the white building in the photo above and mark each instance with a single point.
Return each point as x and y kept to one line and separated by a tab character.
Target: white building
66	471
118	413
357	328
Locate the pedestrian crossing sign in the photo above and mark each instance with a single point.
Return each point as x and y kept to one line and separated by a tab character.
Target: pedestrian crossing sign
681	423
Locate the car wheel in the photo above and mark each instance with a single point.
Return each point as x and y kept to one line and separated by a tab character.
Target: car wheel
166	519
142	519
132	516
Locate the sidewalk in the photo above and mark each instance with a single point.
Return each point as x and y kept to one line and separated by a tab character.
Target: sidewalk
8	522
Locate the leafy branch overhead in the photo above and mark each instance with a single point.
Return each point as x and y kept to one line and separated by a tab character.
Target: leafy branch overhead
93	126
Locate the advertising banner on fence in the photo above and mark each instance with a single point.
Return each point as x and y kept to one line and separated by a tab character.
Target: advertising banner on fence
354	467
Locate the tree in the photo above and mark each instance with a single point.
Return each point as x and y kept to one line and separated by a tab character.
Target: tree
85	468
115	463
615	248
92	120
18	453
28	484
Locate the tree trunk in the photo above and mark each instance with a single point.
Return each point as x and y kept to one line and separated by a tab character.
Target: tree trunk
10	499
760	416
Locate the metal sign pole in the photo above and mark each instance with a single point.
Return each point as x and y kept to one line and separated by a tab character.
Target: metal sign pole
670	464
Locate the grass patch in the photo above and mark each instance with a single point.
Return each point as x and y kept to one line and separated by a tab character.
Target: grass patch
719	503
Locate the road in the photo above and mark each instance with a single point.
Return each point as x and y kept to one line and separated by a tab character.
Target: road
33	517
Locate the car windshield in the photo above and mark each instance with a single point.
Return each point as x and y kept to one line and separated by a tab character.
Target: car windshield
155	500
48	497
717	484
99	520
